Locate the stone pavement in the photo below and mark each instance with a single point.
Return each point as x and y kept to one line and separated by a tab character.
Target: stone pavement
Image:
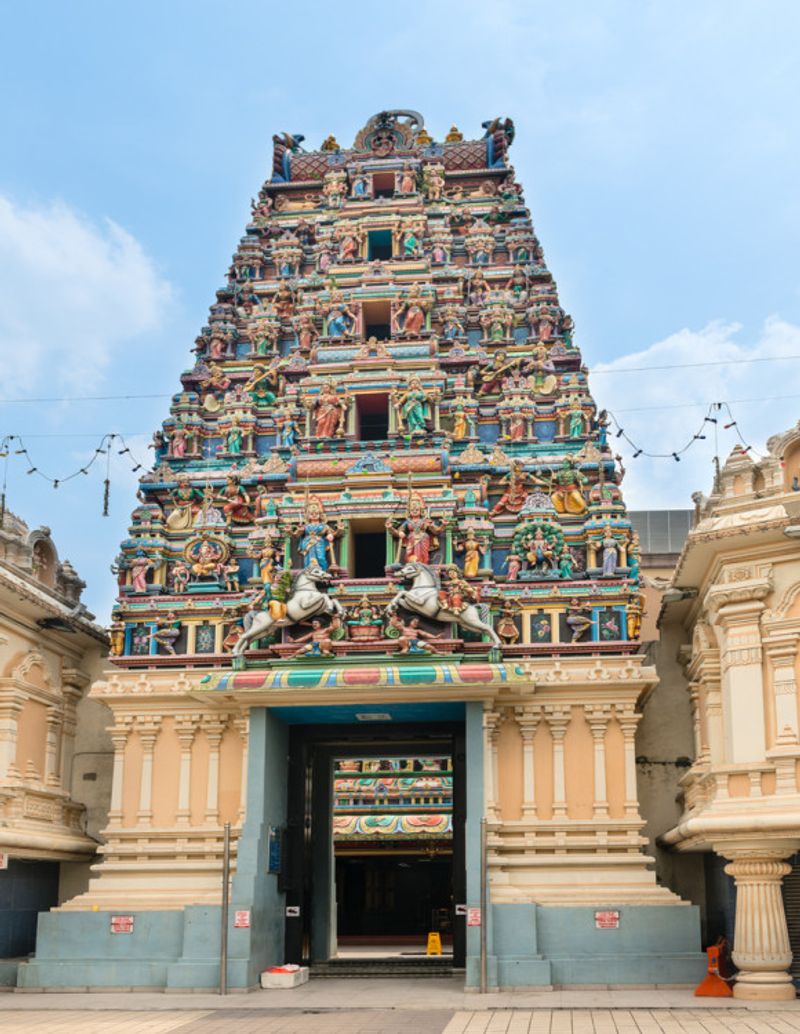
399	1021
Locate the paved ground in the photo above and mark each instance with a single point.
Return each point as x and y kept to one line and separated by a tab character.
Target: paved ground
421	1021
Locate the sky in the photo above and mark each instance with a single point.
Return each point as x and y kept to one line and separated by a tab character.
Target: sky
658	144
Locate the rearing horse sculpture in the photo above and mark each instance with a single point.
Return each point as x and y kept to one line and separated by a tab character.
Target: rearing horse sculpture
306	601
422	597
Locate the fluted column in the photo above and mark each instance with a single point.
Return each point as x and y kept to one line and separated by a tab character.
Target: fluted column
213	730
628	722
119	737
528	721
761	948
185	729
558	722
148	734
598	722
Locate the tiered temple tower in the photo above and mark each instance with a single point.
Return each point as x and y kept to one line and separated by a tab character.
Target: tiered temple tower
385	481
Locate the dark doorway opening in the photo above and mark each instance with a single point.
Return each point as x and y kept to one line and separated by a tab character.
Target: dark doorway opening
372	412
369	554
375	841
398	896
380	243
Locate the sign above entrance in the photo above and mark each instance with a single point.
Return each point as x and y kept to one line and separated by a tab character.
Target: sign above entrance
606	920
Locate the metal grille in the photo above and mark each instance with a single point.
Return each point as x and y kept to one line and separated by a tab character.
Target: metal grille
661	531
791	902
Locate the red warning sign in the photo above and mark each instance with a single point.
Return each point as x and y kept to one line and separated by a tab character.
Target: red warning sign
241	920
122	924
606	920
473	917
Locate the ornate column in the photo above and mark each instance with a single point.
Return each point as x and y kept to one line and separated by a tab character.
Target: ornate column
761	946
185	726
148	734
528	721
51	766
491	724
628	721
119	737
213	728
558	722
598	718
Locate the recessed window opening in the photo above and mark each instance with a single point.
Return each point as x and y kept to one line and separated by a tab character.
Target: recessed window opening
383	184
368	548
377	320
379	245
372	416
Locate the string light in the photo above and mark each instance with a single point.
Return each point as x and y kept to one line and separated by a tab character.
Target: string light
676	454
102	449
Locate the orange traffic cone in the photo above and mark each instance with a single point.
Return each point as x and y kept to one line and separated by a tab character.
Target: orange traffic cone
712	985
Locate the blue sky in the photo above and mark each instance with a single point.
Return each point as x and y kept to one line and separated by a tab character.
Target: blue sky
658	144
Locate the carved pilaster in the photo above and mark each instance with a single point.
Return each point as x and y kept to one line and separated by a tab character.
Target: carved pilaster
214	729
628	721
185	727
558	720
242	726
491	725
148	729
598	718
528	720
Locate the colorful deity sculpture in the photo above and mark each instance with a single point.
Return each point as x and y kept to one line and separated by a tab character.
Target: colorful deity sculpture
328	411
566	492
517	482
186	501
417	533
316	537
236	502
413	407
473	549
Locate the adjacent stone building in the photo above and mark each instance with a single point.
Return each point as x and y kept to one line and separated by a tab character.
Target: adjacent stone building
734	605
54	755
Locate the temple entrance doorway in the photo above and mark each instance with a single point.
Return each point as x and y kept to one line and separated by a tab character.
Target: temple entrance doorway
375	845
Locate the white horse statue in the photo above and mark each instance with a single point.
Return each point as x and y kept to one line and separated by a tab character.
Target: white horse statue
422	597
305	601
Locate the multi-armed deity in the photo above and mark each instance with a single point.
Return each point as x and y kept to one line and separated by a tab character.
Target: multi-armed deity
388	433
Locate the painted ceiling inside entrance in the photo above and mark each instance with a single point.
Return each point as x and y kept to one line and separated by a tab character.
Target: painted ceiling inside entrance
386	799
386	447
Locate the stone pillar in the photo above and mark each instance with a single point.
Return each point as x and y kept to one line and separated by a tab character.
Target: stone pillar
528	721
185	729
558	722
148	734
119	737
700	747
213	730
597	718
761	946
628	722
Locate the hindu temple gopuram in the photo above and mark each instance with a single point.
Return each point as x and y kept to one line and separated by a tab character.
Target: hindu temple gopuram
379	585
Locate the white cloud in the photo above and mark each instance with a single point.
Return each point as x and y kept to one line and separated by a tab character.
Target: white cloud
660	409
72	294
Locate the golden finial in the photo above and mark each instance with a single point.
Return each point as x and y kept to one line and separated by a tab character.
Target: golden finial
454	136
423	137
330	144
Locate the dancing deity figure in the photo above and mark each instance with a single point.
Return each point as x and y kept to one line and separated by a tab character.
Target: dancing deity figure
236	502
565	488
517	482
